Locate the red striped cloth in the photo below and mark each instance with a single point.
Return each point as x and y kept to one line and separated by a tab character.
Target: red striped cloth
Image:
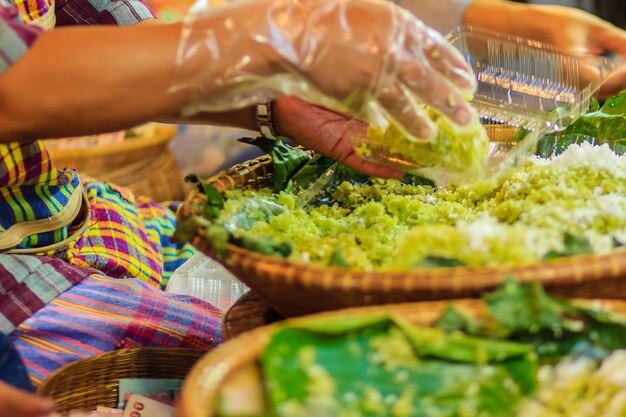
28	283
100	314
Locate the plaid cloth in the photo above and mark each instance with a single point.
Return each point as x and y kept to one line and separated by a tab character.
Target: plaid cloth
129	237
28	283
16	35
72	313
85	12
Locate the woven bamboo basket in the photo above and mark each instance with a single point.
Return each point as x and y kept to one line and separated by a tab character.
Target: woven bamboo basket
144	164
248	313
293	288
85	384
201	389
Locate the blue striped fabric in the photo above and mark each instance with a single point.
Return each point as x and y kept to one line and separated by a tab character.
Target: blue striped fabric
99	313
25	203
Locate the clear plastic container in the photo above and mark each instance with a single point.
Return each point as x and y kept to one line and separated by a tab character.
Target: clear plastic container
205	278
521	83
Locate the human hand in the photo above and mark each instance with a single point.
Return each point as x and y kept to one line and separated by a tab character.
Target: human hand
17	403
326	52
569	29
325	131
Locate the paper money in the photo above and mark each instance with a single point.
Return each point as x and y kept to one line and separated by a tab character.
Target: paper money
142	406
152	387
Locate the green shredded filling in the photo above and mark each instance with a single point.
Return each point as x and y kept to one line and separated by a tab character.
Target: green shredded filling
545	209
455	148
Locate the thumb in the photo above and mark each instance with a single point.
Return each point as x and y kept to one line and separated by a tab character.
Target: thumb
17	403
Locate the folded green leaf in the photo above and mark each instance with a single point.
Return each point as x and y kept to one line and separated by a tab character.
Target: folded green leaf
573	245
337	259
265	245
438	262
367	372
287	159
214	199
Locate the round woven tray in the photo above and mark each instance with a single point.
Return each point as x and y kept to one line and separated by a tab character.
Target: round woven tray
200	391
293	288
143	164
85	384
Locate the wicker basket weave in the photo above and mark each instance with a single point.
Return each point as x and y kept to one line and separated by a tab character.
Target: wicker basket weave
87	383
200	391
144	164
248	313
293	288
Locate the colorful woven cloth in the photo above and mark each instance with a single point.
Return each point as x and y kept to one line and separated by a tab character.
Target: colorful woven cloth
47	14
28	283
32	189
86	314
58	309
128	237
32	10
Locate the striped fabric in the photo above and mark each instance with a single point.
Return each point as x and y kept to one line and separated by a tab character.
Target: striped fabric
84	12
101	12
32	189
99	314
32	10
15	35
28	283
129	237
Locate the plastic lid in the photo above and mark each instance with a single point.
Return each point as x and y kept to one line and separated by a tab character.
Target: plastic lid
528	84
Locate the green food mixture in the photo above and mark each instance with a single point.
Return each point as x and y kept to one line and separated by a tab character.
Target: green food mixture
568	200
536	212
455	148
547	357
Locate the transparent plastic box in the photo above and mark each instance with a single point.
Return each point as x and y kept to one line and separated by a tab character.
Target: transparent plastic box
526	86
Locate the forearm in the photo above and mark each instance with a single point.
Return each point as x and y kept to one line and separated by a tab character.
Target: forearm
85	80
241	118
532	21
442	15
493	15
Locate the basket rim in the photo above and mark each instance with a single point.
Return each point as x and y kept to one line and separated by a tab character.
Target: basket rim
261	272
108	356
216	365
302	272
163	134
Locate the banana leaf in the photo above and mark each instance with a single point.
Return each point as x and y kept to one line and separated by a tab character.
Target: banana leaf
435	384
287	159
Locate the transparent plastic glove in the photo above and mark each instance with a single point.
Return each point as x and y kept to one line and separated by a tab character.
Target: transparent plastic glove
368	58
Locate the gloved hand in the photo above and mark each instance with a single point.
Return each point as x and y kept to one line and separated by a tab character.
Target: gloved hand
368	58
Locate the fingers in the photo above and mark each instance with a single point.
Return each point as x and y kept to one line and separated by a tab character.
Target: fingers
446	60
615	84
407	111
354	161
428	69
18	403
436	91
613	39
